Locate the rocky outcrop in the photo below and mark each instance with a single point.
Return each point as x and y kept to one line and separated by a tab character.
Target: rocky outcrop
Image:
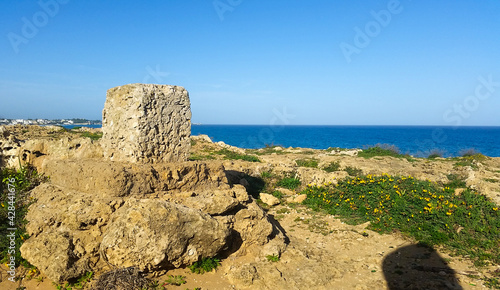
88	229
154	234
144	205
146	123
140	180
21	144
269	199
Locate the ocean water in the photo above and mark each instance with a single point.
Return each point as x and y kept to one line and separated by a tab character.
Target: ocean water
414	140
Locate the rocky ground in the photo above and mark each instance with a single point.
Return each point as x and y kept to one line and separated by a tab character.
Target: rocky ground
322	251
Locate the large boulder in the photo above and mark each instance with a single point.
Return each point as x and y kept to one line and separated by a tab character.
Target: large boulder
154	234
146	123
111	178
65	228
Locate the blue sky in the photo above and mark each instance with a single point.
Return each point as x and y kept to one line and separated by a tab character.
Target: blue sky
258	62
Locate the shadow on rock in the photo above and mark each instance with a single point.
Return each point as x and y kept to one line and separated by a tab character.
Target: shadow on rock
418	267
254	185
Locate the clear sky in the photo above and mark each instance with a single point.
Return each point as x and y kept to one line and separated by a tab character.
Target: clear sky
258	62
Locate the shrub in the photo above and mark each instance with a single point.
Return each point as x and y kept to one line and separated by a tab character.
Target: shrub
205	265
381	150
92	136
273	258
353	171
231	155
466	224
198	157
332	166
308	162
456	181
434	153
289	182
177	280
21	181
468	152
266	174
278	194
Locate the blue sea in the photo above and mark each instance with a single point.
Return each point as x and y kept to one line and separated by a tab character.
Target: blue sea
414	140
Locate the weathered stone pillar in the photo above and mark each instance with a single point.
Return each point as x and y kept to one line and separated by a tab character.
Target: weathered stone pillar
146	123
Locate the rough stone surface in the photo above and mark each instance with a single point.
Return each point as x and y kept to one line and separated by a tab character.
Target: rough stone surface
37	143
152	234
269	199
123	179
93	212
146	123
300	198
252	225
53	254
66	225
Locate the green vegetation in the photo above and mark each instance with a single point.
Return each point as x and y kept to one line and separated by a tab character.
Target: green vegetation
307	162
289	182
266	174
467	224
205	265
492	180
18	183
231	155
353	171
92	136
283	210
380	150
273	258
198	157
81	283
470	152
332	166
435	153
470	160
267	150
456	181
177	280
384	150
227	154
278	194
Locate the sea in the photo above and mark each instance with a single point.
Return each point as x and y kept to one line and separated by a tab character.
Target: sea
418	141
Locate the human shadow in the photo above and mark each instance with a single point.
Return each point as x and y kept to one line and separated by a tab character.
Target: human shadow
418	267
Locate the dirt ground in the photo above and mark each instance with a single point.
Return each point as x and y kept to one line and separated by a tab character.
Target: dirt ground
325	253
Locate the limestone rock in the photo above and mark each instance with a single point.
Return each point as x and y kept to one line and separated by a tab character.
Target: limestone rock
252	225
146	123
300	198
65	228
202	138
216	202
16	147
240	193
152	234
285	191
53	254
123	179
269	199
